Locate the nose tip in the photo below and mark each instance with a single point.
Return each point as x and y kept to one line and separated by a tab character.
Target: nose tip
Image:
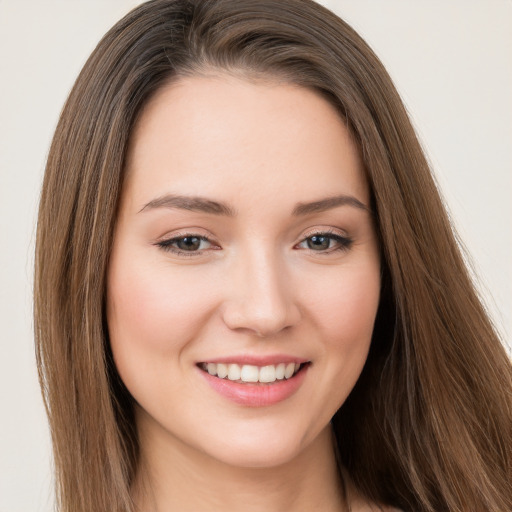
262	320
262	305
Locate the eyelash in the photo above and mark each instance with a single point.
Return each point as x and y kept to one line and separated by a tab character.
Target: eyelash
344	243
166	245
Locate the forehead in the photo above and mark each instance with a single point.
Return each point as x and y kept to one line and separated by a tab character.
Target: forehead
224	136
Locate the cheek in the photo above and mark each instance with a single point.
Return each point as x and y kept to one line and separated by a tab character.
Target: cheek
153	312
344	315
346	303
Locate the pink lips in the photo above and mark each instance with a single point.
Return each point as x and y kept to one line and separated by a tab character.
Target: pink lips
257	394
259	360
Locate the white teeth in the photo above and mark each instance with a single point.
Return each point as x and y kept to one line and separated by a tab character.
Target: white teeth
251	373
290	369
268	373
222	370
280	368
234	372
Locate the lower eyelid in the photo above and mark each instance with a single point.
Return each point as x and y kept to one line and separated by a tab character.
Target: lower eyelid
344	243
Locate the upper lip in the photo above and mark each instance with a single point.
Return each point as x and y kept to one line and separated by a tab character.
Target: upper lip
257	360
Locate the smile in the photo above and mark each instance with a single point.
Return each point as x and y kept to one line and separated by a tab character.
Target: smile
255	385
250	373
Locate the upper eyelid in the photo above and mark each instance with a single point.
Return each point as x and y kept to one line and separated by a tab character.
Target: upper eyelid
183	234
333	232
175	238
325	231
343	239
165	245
210	238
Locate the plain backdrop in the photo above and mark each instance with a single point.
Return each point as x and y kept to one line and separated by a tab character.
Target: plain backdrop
451	61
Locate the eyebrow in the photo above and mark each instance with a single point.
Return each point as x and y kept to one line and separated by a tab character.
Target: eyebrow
201	204
327	204
193	203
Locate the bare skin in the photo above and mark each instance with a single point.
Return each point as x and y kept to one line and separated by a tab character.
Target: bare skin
307	483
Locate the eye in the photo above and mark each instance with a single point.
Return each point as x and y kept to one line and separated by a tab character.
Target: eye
187	245
326	242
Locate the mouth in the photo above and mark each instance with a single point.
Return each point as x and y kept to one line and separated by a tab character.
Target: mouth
259	384
252	374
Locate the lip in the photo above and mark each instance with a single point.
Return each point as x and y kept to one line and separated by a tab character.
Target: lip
256	360
260	394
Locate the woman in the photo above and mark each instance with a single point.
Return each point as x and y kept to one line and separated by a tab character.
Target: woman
247	285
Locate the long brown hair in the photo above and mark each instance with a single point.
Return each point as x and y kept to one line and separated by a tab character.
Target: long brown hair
428	426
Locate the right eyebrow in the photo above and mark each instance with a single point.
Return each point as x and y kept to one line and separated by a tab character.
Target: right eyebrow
192	203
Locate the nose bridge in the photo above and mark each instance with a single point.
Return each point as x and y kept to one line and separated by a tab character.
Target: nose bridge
260	298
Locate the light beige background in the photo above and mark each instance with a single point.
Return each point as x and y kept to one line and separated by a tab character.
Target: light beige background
451	61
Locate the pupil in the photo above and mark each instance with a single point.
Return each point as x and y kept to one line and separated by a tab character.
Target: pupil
189	243
318	242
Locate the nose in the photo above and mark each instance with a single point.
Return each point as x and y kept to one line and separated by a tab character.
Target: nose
260	298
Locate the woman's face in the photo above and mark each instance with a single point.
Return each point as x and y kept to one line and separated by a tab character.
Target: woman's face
244	246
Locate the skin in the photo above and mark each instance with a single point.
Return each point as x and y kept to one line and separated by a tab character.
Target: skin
256	287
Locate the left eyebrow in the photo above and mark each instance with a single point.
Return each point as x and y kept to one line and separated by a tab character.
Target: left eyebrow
327	204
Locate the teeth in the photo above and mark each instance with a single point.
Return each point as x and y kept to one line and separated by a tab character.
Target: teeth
234	372
268	373
251	373
290	370
280	369
222	370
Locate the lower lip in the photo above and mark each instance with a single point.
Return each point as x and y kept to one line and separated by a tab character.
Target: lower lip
256	395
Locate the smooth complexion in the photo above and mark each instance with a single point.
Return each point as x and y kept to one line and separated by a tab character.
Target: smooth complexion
229	247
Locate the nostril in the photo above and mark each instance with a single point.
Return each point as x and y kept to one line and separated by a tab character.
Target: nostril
262	324
260	302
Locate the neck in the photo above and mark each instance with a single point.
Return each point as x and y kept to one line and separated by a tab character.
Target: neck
175	476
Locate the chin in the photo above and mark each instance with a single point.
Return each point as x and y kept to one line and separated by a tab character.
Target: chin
265	448
257	456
